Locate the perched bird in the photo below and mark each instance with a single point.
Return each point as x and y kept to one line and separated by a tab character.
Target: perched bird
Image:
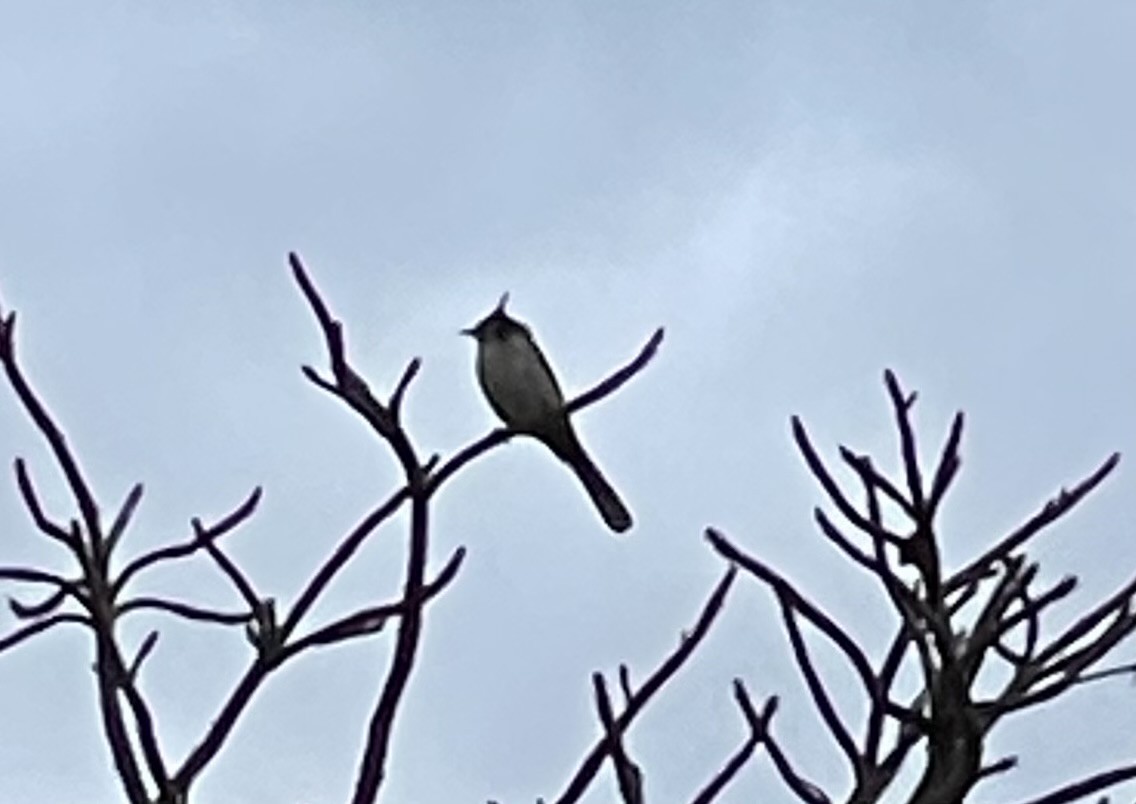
522	390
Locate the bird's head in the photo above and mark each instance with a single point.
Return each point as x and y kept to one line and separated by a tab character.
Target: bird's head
495	326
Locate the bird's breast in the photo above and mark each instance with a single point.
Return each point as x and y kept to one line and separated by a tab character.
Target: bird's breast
518	384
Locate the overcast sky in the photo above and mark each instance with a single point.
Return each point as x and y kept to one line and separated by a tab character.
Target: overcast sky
802	193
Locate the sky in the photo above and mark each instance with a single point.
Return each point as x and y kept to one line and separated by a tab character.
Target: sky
803	194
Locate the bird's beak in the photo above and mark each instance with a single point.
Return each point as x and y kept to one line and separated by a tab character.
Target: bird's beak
470	331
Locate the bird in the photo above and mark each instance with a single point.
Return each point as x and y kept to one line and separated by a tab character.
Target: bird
520	386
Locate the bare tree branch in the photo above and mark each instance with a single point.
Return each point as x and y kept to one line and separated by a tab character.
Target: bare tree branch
1053	510
123	517
582	778
224	526
615	381
339	558
185	610
816	688
1087	787
35	508
372	619
20	634
759	724
627	773
51	432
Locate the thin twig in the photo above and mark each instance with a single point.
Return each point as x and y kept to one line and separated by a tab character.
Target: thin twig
404	381
1054	509
902	405
821	473
339	558
226	565
1086	787
817	690
185	610
35	508
122	519
810	611
591	763
949	464
227	524
19	635
615	381
759	724
627	773
372	619
51	432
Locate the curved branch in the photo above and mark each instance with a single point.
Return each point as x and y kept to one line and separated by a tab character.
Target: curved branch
16	637
408	375
343	552
26	611
902	405
185	610
35	508
594	759
627	773
759	724
821	473
51	432
371	620
1088	786
467	454
225	525
616	380
817	690
125	514
231	571
814	615
1055	508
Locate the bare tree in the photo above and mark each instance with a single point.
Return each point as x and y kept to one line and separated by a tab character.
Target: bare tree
96	595
949	628
939	630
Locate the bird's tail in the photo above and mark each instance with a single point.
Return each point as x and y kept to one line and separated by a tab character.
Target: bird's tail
607	502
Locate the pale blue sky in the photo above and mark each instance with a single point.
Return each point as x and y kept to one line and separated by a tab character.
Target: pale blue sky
802	193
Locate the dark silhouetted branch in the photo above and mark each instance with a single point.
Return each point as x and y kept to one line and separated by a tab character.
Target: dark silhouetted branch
944	716
123	517
582	778
371	620
902	404
230	570
35	508
51	432
810	611
627	773
185	611
339	558
1053	510
224	526
1087	787
408	375
759	724
615	381
20	634
816	688
949	463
